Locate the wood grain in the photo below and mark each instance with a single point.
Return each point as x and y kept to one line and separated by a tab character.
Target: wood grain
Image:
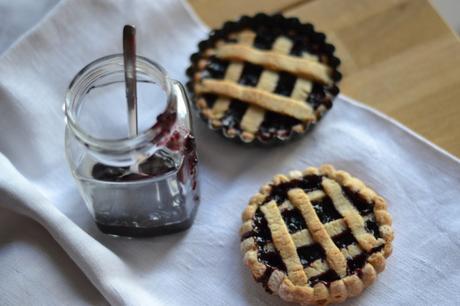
398	56
216	12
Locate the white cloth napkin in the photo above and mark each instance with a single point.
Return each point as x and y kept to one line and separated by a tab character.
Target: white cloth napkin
203	265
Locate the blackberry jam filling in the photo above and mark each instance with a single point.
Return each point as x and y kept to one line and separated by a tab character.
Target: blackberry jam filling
233	115
108	173
106	225
210	99
153	166
344	239
325	210
356	263
299	46
311	183
264	279
262	236
372	227
293	220
359	202
285	84
317	95
262	233
310	253
377	249
276	125
272	259
250	75
326	277
279	192
217	68
307	183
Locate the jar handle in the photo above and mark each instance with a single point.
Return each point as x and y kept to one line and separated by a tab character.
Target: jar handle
183	103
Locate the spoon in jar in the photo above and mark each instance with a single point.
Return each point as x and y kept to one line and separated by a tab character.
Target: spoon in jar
129	59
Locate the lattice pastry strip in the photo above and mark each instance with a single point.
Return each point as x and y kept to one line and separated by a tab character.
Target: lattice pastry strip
284	244
317	230
316	195
255	96
302	67
316	268
254	115
352	217
233	73
302	238
302	87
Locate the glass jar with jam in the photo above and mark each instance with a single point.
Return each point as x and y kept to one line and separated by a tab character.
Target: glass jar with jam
140	185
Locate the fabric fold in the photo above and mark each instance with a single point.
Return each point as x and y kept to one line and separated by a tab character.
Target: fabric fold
202	265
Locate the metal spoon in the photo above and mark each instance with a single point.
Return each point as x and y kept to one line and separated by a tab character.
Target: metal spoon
129	57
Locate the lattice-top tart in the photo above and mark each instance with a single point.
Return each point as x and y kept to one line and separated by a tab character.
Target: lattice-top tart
263	78
316	237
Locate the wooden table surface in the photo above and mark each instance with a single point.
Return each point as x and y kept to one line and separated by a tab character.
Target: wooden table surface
398	56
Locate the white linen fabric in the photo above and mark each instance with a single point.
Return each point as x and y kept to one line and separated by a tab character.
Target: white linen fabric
51	253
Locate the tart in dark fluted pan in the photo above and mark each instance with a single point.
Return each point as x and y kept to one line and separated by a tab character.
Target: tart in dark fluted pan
263	79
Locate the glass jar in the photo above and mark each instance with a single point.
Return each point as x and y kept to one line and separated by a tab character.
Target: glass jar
133	186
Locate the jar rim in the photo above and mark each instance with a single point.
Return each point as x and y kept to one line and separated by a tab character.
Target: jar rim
120	144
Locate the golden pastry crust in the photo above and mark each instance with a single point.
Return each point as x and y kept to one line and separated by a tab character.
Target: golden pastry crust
258	97
298	281
303	67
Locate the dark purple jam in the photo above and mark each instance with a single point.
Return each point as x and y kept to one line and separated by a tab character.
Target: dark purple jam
190	164
325	210
155	165
165	203
261	232
265	278
294	220
307	183
262	236
373	228
272	259
310	253
234	114
317	95
250	75
164	125
216	68
344	239
356	263
285	85
326	278
359	202
130	231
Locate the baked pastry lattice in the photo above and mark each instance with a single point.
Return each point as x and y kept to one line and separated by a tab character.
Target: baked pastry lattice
264	78
316	237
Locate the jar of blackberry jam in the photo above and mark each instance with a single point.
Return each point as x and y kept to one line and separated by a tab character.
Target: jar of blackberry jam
142	185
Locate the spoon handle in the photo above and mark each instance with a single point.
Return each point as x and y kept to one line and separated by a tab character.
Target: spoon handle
129	56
